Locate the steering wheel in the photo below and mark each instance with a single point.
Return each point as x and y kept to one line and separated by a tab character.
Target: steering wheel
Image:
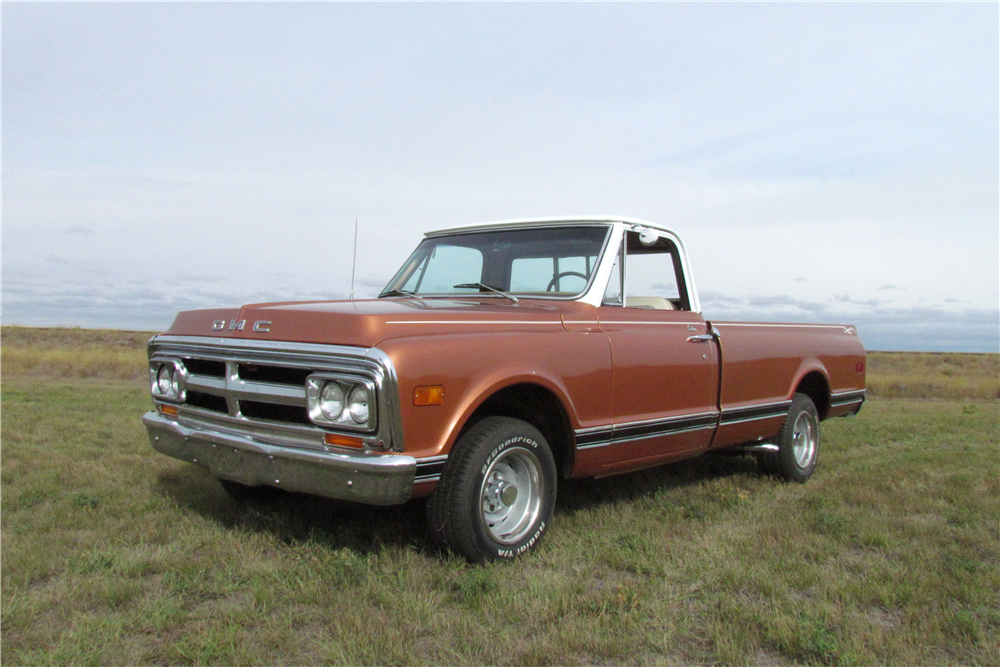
556	278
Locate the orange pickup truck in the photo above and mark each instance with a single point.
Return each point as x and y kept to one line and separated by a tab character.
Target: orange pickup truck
500	359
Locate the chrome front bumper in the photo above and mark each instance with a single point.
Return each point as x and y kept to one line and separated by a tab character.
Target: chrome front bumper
375	479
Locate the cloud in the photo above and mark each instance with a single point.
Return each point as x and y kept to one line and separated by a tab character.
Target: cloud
78	229
189	278
372	281
922	328
881	327
231	170
871	303
786	301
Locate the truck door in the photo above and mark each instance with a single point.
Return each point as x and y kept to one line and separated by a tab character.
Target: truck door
666	365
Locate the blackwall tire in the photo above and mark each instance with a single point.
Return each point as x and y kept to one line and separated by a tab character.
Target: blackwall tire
497	492
798	443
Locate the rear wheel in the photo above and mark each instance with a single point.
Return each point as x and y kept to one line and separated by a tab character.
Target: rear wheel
497	492
798	443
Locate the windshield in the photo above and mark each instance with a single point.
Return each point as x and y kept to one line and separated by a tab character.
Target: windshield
547	262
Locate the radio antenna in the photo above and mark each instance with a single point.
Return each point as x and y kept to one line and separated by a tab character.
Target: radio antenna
354	266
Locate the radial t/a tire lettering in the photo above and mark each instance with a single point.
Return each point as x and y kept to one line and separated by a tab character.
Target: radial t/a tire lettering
798	443
497	492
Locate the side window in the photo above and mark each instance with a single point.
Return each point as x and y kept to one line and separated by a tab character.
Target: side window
653	275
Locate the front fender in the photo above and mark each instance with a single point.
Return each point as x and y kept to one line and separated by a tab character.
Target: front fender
574	367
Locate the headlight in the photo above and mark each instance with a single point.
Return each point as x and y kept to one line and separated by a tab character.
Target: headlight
331	400
358	404
340	401
166	379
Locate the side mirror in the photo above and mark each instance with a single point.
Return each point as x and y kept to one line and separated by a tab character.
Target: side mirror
648	237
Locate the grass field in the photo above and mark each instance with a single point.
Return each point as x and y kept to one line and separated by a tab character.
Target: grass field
113	554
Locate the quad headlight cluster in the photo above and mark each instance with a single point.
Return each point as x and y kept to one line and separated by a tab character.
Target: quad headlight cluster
341	401
166	379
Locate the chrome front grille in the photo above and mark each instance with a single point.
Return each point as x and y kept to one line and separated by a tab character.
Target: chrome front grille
259	388
273	394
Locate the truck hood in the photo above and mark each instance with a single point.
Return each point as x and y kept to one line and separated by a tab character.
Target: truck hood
366	323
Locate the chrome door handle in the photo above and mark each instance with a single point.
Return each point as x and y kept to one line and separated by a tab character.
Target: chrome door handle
704	338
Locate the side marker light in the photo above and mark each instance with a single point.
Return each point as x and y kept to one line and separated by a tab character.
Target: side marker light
428	395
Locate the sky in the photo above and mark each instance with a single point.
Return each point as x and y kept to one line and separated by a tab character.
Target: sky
831	163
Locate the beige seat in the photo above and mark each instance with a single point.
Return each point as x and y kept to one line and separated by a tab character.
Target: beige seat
651	302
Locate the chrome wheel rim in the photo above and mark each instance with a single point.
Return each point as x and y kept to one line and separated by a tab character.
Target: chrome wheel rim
804	440
510	496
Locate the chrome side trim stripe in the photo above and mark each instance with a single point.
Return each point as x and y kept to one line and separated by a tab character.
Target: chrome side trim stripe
479	322
632	432
429	469
700	325
602	436
847	398
769	325
755	413
594	437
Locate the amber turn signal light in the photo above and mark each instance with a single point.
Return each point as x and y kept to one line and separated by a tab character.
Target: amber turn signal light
429	395
344	440
168	410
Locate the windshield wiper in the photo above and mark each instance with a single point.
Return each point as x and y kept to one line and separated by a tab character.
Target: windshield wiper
483	286
398	292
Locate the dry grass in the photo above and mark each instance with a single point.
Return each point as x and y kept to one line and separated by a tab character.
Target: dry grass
933	375
73	353
113	554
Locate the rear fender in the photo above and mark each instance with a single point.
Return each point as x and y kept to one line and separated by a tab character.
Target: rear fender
813	380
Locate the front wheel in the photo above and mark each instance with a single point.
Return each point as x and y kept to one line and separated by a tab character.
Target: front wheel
497	492
798	443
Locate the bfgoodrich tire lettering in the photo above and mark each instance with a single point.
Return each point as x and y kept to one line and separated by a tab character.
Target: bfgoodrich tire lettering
497	492
798	443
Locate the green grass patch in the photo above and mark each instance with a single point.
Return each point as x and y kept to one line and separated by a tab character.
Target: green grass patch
114	554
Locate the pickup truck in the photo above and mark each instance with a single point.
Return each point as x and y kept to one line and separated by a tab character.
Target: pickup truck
500	359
